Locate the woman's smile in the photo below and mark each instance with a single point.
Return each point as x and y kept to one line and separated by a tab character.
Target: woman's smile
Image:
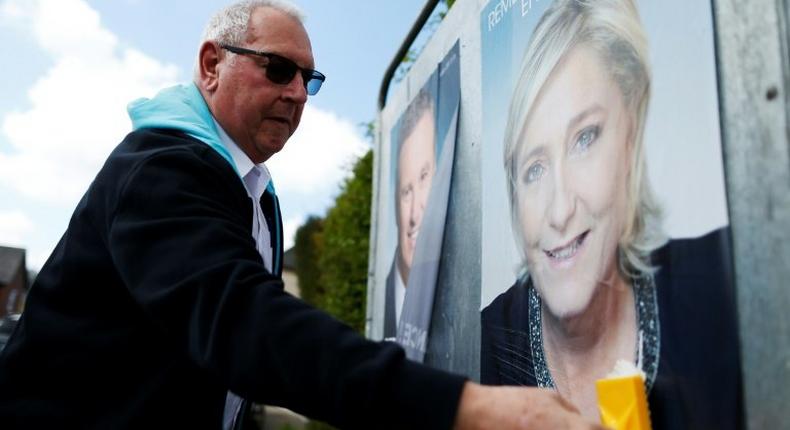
565	255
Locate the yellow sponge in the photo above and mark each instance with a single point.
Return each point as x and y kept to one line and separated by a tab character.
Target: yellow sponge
623	403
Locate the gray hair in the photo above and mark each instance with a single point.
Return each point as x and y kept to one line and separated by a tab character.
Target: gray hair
421	105
230	24
613	29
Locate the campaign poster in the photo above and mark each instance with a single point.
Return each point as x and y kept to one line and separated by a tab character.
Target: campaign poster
604	212
422	152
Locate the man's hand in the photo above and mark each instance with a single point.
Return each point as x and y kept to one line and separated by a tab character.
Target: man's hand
524	408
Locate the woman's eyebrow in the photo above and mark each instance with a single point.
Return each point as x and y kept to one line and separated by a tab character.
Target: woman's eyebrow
538	150
581	116
572	124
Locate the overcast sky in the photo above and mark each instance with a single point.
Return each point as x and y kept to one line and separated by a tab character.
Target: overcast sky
71	66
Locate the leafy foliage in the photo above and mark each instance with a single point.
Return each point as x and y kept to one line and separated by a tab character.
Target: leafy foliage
343	261
308	243
332	253
447	5
368	129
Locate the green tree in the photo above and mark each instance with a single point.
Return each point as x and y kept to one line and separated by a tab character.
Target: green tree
307	249
343	260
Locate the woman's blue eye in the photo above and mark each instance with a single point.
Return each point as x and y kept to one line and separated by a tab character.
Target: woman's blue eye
534	173
587	137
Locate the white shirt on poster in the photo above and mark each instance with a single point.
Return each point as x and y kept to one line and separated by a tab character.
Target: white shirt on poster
400	295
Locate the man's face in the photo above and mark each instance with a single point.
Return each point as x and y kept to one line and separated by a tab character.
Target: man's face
416	166
260	115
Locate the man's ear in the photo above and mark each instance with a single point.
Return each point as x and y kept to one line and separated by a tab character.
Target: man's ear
208	62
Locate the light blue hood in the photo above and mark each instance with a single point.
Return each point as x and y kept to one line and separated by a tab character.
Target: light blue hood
180	107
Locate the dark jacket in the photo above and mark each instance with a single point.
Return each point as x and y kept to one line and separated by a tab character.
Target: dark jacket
698	383
155	302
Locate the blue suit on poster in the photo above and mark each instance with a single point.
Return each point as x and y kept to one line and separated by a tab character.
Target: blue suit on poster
415	319
411	282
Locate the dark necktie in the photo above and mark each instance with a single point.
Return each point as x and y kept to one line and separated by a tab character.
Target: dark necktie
271	209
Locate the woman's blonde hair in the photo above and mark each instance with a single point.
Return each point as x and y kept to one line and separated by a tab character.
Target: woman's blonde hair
612	28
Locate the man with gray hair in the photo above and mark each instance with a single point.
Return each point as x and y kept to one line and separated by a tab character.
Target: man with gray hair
165	293
416	166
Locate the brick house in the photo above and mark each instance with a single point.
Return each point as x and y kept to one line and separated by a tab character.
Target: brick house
289	273
13	280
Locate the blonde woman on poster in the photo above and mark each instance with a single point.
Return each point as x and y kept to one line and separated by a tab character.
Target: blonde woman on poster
599	281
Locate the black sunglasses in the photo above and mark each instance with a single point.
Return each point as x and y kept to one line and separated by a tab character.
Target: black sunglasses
281	70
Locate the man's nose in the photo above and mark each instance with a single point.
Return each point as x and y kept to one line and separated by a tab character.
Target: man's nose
296	90
414	211
418	207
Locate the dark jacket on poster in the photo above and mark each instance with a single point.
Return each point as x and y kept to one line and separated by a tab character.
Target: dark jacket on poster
390	320
156	302
698	383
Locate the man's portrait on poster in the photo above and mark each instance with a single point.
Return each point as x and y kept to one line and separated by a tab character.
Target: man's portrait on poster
422	148
414	172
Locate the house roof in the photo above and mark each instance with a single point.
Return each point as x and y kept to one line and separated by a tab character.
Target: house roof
289	259
11	259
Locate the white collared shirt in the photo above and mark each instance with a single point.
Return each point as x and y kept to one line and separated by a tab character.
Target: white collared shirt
256	178
400	295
